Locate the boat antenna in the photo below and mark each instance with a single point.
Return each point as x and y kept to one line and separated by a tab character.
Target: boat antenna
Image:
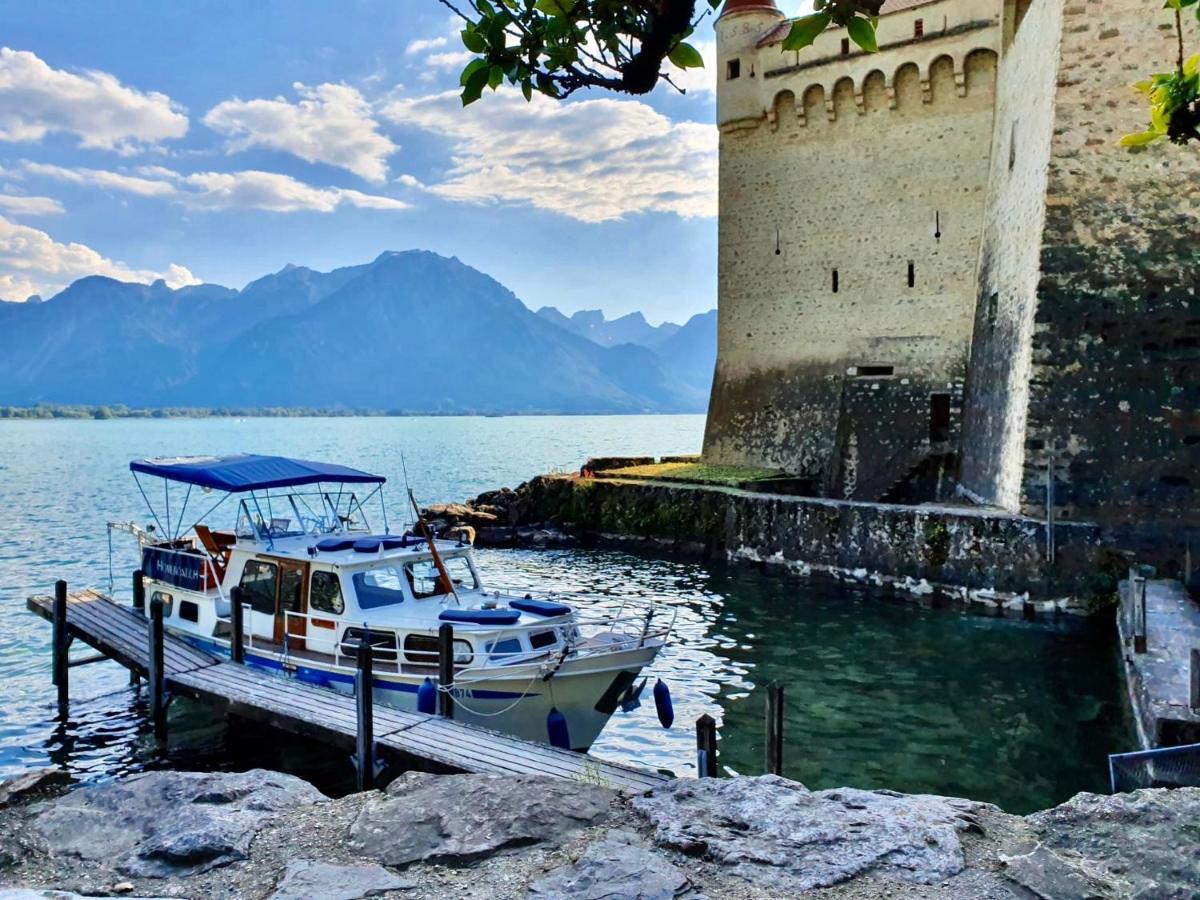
404	469
447	583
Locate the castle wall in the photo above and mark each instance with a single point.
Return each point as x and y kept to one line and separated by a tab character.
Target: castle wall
993	445
1115	382
842	385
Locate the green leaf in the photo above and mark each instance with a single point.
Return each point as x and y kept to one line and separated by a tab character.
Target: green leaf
685	56
527	89
474	85
473	66
555	7
1140	140
495	77
473	41
805	30
863	34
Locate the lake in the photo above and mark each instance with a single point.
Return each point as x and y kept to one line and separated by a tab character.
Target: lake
880	692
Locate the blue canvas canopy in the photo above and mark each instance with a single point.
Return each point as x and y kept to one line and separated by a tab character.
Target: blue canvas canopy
249	472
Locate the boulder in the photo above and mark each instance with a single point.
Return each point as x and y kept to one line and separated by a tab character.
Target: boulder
1144	844
617	867
305	879
778	834
161	824
32	782
457	819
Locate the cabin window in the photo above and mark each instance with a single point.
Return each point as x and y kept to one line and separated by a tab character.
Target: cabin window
325	594
733	69
875	371
919	28
426	581
382	643
379	587
500	651
259	580
540	639
189	611
167	602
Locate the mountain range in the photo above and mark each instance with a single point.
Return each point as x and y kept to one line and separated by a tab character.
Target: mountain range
408	332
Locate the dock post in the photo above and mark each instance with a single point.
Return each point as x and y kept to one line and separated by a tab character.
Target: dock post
1137	587
139	592
706	746
364	691
237	627
155	675
774	729
60	641
446	670
1195	680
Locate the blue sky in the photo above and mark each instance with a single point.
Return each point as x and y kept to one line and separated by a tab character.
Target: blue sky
216	141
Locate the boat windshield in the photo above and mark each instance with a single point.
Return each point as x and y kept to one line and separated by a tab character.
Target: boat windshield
384	585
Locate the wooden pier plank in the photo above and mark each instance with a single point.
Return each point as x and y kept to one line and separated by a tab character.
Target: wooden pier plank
323	713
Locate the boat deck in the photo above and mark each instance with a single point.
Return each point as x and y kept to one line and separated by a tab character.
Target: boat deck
412	739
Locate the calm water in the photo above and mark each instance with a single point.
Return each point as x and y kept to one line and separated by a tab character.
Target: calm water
880	692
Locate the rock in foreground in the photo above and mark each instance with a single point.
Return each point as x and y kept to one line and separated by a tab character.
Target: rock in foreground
456	819
779	834
161	824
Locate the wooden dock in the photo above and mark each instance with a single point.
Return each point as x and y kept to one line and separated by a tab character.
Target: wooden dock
413	740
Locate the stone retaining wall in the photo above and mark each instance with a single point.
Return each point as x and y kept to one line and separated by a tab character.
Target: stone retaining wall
987	557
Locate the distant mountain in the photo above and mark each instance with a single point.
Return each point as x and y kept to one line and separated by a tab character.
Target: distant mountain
629	329
412	332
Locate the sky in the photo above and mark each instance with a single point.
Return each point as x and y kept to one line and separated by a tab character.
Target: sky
213	141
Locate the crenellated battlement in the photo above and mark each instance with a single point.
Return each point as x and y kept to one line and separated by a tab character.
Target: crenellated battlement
922	41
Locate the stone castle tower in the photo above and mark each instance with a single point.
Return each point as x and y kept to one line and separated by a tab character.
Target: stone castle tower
938	271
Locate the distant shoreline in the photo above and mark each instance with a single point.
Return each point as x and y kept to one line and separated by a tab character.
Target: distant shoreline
103	412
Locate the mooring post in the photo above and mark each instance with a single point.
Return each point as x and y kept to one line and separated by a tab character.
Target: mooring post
1138	588
237	628
60	642
155	675
1195	679
364	690
706	746
446	670
774	729
139	592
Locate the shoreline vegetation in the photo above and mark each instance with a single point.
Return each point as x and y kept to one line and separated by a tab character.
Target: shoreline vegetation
120	411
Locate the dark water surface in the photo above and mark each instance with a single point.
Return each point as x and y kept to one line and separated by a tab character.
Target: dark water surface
880	692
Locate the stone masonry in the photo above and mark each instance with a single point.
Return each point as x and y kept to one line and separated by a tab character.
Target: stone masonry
939	252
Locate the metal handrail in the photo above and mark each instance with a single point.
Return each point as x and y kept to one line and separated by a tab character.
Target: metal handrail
566	632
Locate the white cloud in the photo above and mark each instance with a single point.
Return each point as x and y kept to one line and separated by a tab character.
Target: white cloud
30	206
592	160
331	123
451	59
32	262
423	44
36	100
247	189
145	187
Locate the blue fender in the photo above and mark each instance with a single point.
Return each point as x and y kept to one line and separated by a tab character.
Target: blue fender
662	703
427	698
556	728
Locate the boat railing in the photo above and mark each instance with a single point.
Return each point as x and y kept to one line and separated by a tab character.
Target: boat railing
476	649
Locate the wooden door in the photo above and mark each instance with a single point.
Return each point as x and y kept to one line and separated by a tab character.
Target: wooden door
293	597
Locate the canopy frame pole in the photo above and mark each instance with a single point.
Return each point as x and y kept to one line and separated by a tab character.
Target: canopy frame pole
179	525
149	505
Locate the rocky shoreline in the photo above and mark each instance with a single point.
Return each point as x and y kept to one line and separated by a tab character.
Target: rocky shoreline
262	834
